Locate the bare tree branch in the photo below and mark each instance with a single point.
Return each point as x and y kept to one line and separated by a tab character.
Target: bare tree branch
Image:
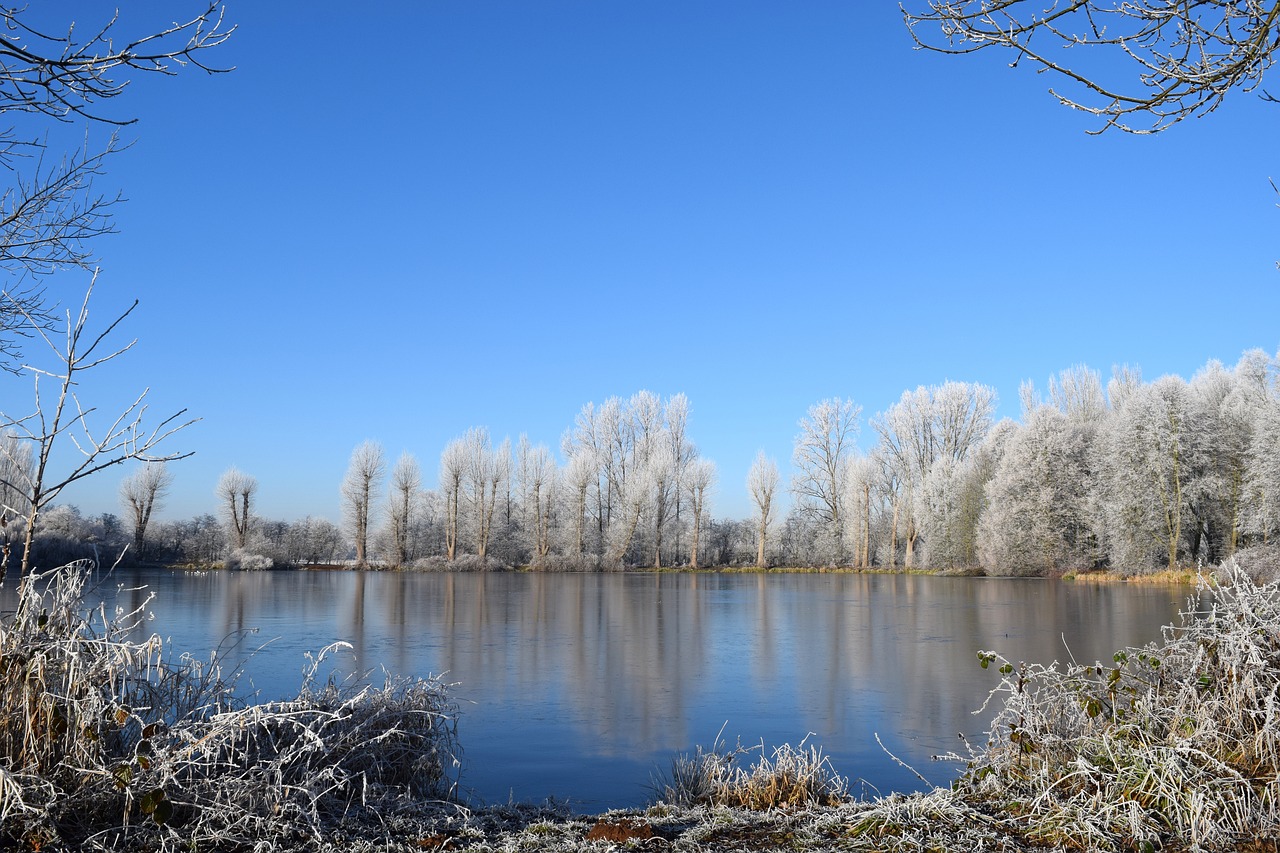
50	212
124	437
1156	62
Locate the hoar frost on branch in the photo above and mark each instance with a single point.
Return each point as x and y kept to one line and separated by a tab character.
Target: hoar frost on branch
63	417
1127	61
58	73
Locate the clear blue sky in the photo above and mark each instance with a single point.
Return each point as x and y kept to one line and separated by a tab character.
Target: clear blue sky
399	221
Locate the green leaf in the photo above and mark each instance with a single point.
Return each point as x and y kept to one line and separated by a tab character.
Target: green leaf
163	813
151	800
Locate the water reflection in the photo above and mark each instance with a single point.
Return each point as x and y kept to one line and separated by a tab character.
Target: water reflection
580	686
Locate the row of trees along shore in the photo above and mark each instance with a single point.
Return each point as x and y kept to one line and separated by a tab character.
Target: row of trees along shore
1130	475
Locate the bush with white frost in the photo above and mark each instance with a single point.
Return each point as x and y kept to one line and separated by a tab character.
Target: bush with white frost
1175	741
106	743
247	561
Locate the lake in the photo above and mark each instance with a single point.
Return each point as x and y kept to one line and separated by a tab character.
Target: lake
582	687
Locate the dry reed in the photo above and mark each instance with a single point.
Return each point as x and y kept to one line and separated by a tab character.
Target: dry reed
106	743
792	776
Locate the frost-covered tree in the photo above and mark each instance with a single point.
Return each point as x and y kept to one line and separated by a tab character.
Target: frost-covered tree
364	476
614	443
1144	451
538	483
581	475
762	485
486	473
631	504
926	425
1077	393
1154	62
141	494
53	72
17	469
822	450
1223	410
402	504
699	480
235	493
1036	518
315	541
1262	460
453	472
862	501
662	475
59	417
675	415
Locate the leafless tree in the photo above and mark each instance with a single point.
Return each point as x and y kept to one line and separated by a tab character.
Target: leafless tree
762	482
141	494
235	492
821	453
406	483
50	212
927	425
364	476
1140	65
539	480
98	445
453	468
699	479
16	467
580	475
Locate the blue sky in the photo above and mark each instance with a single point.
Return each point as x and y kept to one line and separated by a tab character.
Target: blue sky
430	216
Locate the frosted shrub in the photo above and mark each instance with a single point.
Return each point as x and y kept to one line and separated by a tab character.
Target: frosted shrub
247	561
1178	740
474	563
106	743
1261	563
430	564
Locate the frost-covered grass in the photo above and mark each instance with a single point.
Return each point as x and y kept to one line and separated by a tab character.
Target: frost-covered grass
1178	741
788	777
106	743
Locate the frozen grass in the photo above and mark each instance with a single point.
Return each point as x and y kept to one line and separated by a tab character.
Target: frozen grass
107	744
1174	743
792	776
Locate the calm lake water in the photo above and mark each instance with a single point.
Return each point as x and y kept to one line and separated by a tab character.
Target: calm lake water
583	686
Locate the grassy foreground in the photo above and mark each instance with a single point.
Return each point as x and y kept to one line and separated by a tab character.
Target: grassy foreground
105	744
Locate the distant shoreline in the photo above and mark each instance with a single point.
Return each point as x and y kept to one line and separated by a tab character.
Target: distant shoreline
1186	576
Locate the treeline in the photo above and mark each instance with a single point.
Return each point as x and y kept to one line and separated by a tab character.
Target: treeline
1133	476
1128	475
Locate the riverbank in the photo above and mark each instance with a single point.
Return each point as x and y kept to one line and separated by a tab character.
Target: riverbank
937	821
1181	576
